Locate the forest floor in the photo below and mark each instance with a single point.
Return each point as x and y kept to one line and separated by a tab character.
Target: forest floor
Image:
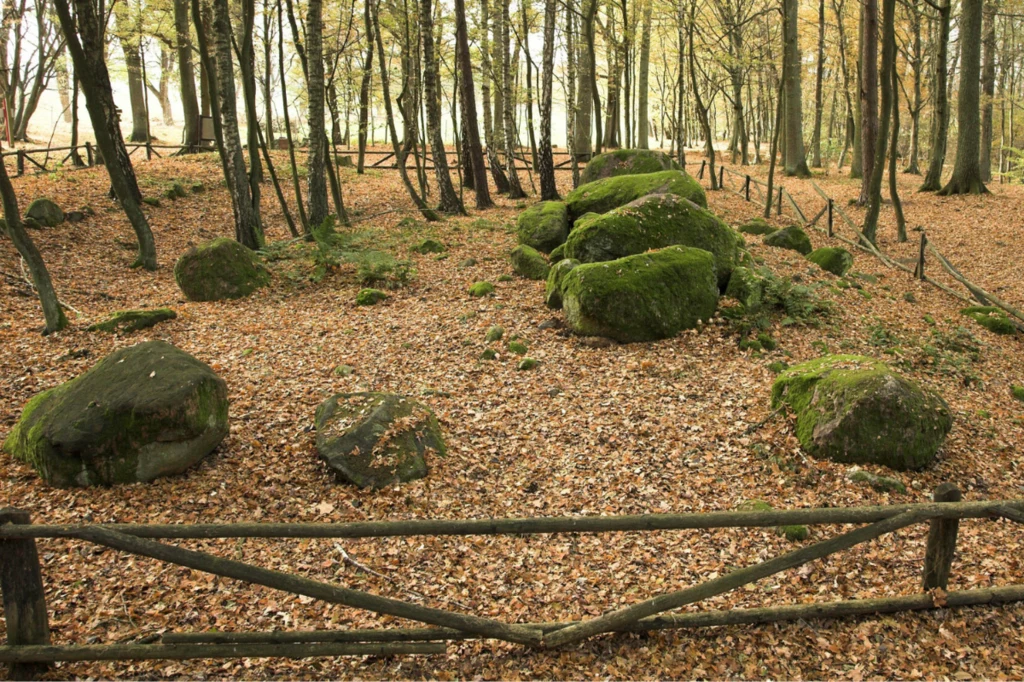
672	426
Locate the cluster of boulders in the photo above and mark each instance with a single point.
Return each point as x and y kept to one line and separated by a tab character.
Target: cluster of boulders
834	259
152	410
633	254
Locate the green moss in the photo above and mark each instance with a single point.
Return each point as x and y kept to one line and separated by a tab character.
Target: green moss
128	321
626	162
793	533
747	287
370	297
750	344
479	289
644	297
151	201
653	222
494	333
854	409
757	226
45	212
991	318
526	363
543	226
488	354
468	263
428	246
909	297
198	188
778	367
344	370
883	484
832	259
527	262
766	341
219	269
505	278
557	254
1017	392
792	238
604	195
517	347
553	286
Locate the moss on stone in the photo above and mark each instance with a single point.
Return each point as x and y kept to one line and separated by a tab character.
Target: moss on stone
46	212
851	408
792	238
553	287
991	318
644	297
557	253
832	259
604	195
479	289
653	222
128	321
488	354
528	262
370	297
1017	392
883	484
526	364
778	367
543	226
494	333
517	347
219	269
757	226
627	162
747	287
428	246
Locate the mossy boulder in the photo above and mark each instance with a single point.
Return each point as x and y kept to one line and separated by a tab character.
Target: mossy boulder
627	162
142	412
644	297
757	226
747	287
429	246
792	238
991	318
45	212
528	262
376	439
219	269
494	333
557	253
370	297
481	289
543	226
602	196
553	288
834	259
854	409
127	321
651	222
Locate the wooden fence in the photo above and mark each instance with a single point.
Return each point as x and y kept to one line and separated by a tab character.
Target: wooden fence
742	184
28	644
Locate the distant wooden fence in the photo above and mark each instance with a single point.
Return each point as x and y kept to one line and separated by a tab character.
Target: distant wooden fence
25	608
742	184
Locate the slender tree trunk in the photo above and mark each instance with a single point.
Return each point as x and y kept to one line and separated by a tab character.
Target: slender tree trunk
966	178
916	105
91	68
940	114
524	6
364	87
818	92
491	136
299	203
52	312
878	170
585	95
643	116
515	190
796	162
868	94
470	130
546	162
702	111
894	194
186	76
316	178
988	87
448	200
136	88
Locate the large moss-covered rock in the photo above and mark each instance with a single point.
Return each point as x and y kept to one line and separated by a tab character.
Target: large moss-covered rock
644	297
45	212
142	412
627	162
792	238
528	263
376	439
602	196
219	269
543	226
553	287
654	221
851	408
127	321
834	259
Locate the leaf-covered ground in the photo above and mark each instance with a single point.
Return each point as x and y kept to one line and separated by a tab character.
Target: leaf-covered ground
671	426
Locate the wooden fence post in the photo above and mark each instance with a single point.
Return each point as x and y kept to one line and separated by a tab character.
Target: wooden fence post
938	557
920	257
700	173
88	153
778	204
746	189
21	162
830	217
24	599
721	177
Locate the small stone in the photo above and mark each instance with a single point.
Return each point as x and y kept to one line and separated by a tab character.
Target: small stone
517	347
526	364
494	333
488	354
370	297
343	370
468	263
429	246
597	342
480	289
550	323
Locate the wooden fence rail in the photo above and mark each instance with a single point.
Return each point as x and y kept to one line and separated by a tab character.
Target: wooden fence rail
28	632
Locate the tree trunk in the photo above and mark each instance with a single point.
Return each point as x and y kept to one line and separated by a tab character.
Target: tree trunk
364	87
91	68
940	114
818	81
448	200
299	203
316	179
702	111
868	94
878	170
52	312
524	6
916	105
796	162
966	177
470	130
186	75
247	67
582	144
643	116
491	137
546	162
988	87
64	89
515	189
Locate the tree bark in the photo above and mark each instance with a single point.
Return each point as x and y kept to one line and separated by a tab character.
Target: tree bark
316	180
186	76
796	162
870	230
545	160
364	88
470	129
966	178
940	114
818	82
91	69
585	94
868	94
988	87
491	137
515	189
643	116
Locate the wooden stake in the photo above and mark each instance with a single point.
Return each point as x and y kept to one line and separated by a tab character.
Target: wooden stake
746	189
920	257
830	223
24	599
938	557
